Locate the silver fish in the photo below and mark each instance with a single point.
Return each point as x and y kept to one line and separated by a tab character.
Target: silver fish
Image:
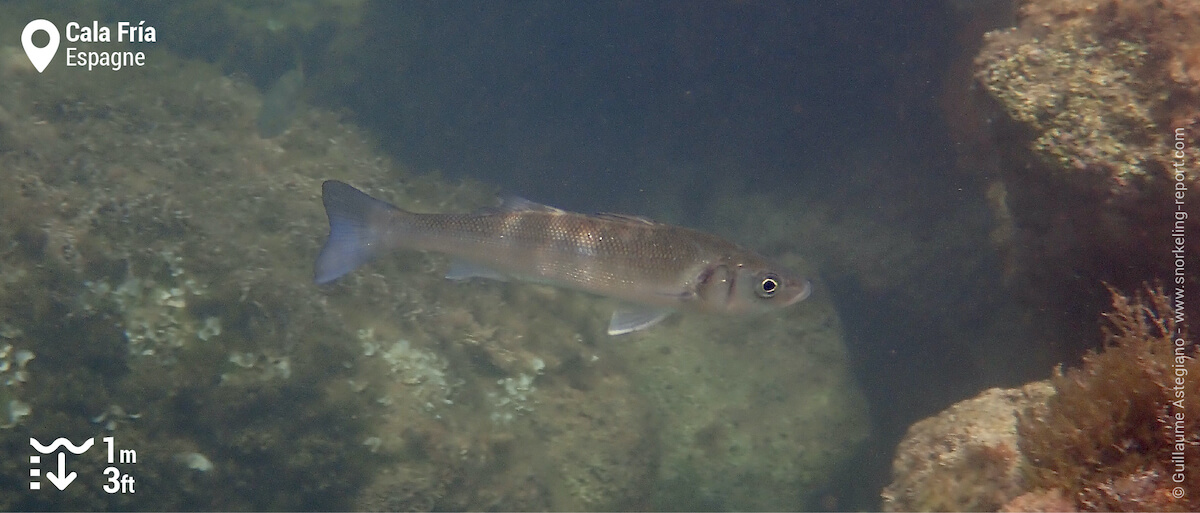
280	104
653	268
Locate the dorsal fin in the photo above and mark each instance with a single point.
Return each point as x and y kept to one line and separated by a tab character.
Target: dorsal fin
512	203
624	217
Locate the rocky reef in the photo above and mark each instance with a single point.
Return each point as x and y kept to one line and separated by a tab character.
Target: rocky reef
1116	434
1095	110
966	458
156	287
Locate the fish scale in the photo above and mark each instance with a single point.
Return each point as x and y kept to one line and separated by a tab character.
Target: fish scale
588	252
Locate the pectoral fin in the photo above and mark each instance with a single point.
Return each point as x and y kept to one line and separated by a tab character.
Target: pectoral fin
630	318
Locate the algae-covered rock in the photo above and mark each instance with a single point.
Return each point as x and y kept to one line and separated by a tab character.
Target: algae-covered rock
1117	434
1097	108
1100	85
966	458
158	269
754	413
157	287
1110	435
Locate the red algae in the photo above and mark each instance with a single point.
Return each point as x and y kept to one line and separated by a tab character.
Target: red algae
1107	438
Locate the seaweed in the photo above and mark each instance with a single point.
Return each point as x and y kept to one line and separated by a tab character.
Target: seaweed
1106	438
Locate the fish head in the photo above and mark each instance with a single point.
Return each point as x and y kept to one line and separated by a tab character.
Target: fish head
749	287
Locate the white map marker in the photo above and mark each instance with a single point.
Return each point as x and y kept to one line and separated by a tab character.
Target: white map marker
40	57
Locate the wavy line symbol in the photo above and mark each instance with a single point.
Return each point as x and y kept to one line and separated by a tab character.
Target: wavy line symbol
63	442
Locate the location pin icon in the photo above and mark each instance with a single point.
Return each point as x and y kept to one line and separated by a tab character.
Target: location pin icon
40	57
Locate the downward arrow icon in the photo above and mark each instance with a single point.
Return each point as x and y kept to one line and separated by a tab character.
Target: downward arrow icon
62	479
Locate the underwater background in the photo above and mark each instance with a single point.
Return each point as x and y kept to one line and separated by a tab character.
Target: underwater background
971	185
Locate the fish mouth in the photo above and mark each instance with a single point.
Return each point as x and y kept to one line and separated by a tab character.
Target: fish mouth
803	294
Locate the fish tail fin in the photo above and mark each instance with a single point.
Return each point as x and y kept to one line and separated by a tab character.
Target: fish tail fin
355	230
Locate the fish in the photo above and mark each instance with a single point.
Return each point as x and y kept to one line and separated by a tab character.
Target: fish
652	269
280	104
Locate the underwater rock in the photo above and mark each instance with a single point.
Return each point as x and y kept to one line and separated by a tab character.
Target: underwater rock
532	448
160	260
753	414
1110	435
1042	500
1100	85
965	458
1097	111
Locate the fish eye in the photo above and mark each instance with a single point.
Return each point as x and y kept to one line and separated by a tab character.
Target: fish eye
768	286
